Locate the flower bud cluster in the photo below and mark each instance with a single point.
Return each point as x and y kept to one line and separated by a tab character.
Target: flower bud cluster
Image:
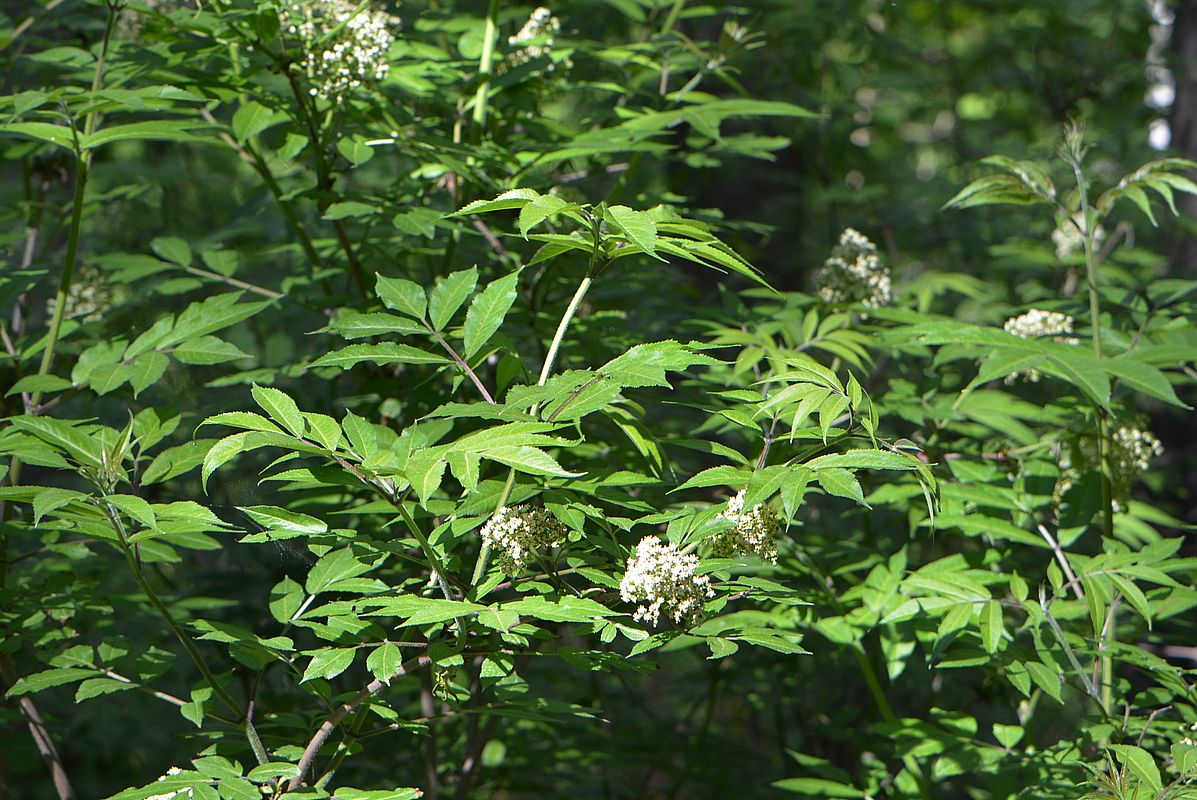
178	794
516	533
343	48
89	297
534	40
662	579
1132	450
1068	239
753	531
1035	324
854	274
1188	731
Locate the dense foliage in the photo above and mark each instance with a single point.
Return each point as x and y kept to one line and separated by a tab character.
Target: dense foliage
465	400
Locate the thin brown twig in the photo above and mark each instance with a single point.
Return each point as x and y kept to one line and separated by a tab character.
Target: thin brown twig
461	363
1063	560
345	709
431	755
41	736
491	239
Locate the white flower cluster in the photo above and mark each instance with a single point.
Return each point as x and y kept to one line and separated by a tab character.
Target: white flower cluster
854	274
753	531
662	579
534	40
1038	323
1068	239
1188	729
1133	449
87	299
178	794
343	48
516	533
130	23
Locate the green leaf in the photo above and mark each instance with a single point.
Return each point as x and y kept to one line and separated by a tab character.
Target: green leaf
424	471
384	661
449	295
348	210
49	500
284	521
172	249
381	354
1141	764
531	460
402	295
817	787
40	681
95	687
1046	678
637	226
1143	378
1008	735
286	598
146	369
487	311
334	566
60	135
135	507
513	198
328	662
208	350
223	451
539	210
209	316
280	407
991	626
356	325
841	483
161	130
355	150
246	420
39	383
252	118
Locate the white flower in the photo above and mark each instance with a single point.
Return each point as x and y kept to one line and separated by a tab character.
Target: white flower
1068	237
662	579
534	40
177	794
343	48
1133	449
516	533
752	531
1038	323
854	274
88	298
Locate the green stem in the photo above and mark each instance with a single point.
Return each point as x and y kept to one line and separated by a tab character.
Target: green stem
324	181
484	553
184	639
562	327
426	547
82	165
485	66
870	678
674	12
305	241
1103	431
